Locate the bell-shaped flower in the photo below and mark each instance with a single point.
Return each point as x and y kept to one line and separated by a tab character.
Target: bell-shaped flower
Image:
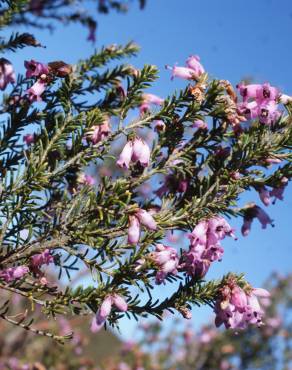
98	133
264	195
133	230
7	74
119	302
268	112
236	308
105	310
136	151
182	72
193	62
199	234
246	226
40	259
36	69
253	211
266	92
250	110
146	219
141	152
167	261
126	155
34	93
248	91
148	100
278	191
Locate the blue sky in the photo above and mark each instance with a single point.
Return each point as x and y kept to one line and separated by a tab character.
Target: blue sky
235	39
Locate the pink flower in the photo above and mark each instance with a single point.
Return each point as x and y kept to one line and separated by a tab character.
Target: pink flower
193	62
105	310
236	309
126	155
220	228
152	99
205	245
274	322
278	192
182	72
199	234
86	180
120	303
7	74
167	261
40	259
97	133
146	219
133	230
140	217
136	151
207	335
13	273
35	92
34	68
253	211
238	298
147	100
266	92
263	217
265	195
248	91
200	125
141	152
29	139
188	336
268	112
249	110
245	229
260	292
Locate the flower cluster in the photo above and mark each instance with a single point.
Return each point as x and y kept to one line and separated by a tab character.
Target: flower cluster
259	101
42	72
205	245
13	273
236	307
167	261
